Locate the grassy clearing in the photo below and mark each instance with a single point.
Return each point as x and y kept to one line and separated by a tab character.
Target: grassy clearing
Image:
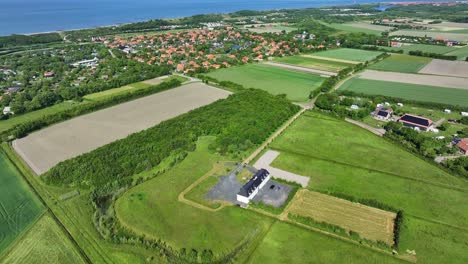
296	85
425	93
461	53
153	209
424	48
326	65
44	243
347	159
371	223
349	54
286	243
401	63
355	29
19	207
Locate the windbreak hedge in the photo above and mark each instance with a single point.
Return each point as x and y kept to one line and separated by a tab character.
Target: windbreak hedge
239	122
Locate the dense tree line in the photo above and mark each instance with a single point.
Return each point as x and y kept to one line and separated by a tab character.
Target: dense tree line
23	129
21	40
241	121
432	55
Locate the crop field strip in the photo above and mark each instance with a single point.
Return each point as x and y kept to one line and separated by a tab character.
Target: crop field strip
401	63
447	68
296	85
348	55
423	93
314	63
422	33
371	223
335	166
99	128
424	48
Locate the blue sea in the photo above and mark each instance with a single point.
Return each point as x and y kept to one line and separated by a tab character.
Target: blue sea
31	16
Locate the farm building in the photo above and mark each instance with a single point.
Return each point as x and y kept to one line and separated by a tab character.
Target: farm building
383	113
463	146
416	122
251	188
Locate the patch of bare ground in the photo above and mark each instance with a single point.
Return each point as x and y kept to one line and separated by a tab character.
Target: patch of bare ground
448	68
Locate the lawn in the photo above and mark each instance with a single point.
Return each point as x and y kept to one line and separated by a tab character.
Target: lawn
44	243
296	85
153	209
401	63
286	243
314	63
425	48
424	93
348	54
343	158
19	207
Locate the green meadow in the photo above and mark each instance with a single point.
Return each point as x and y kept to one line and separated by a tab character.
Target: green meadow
314	63
401	63
348	54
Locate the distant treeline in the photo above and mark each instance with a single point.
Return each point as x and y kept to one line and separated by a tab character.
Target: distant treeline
20	40
432	55
239	122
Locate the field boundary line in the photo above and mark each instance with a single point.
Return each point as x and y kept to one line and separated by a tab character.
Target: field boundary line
438	222
440	185
8	154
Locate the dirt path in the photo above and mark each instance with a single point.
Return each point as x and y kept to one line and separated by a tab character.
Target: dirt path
300	68
378	131
331	59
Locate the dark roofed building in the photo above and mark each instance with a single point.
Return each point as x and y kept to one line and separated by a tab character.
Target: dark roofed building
383	113
463	146
251	188
414	121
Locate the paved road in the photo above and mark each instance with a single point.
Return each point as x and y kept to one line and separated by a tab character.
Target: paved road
268	158
378	131
299	68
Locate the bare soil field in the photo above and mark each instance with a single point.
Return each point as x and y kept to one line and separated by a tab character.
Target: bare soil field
371	223
448	68
300	68
442	81
45	148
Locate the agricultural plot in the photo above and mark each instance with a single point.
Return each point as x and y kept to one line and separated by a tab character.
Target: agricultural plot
44	243
296	85
314	63
370	223
153	209
432	34
424	93
359	27
424	48
348	54
461	53
401	63
349	160
19	208
269	28
286	243
448	68
45	148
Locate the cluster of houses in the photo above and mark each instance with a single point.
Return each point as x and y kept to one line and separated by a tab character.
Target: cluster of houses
201	50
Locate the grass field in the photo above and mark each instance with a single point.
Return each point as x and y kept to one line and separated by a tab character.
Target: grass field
296	85
286	243
461	53
370	223
416	92
347	159
401	63
157	213
326	65
349	54
19	208
356	28
425	48
43	244
433	34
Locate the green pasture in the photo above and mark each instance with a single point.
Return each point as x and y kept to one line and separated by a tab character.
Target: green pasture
424	48
343	158
19	207
401	63
44	243
424	93
314	63
349	54
353	29
461	53
296	85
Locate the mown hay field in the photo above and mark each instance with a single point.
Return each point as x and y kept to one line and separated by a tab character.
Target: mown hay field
370	223
275	80
19	207
348	54
417	92
314	63
401	63
45	148
44	243
343	158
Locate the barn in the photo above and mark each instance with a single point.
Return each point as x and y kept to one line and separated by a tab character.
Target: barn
416	122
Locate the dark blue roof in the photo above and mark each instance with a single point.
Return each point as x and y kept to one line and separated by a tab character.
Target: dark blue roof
416	120
254	182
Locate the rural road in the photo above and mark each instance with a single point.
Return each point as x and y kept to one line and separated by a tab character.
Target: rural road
378	131
299	68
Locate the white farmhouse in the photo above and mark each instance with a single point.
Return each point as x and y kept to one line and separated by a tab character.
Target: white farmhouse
251	188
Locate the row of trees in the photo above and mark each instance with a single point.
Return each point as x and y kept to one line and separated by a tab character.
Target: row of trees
239	122
432	55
